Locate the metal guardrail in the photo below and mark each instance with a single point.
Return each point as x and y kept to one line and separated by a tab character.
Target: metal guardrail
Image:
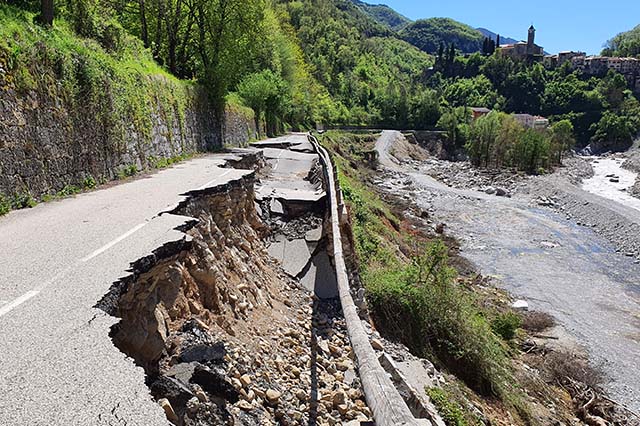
384	400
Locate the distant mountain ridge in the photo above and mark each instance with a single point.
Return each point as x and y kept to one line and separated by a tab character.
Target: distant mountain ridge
384	15
503	40
428	34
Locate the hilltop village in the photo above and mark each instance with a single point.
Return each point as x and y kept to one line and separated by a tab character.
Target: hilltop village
589	65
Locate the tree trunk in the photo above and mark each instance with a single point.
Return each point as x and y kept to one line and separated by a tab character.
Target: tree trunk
46	12
143	24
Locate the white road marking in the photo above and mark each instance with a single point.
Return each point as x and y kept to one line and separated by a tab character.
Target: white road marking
113	243
17	302
278	160
6	307
213	180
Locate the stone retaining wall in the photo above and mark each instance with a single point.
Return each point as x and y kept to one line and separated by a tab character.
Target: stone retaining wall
48	143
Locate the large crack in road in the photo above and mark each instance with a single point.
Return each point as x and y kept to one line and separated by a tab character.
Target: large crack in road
537	254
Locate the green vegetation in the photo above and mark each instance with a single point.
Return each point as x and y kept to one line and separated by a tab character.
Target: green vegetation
128	171
505	324
5	205
498	140
429	34
372	77
449	410
626	44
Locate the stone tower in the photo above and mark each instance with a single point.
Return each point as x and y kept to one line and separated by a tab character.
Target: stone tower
532	37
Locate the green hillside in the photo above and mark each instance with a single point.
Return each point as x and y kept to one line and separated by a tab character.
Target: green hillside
384	15
429	34
374	77
624	44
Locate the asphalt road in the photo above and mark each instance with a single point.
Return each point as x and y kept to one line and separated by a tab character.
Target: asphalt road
58	365
557	266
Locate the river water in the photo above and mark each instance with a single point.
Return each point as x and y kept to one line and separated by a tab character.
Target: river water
600	184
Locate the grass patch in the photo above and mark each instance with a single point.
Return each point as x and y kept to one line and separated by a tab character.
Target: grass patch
450	411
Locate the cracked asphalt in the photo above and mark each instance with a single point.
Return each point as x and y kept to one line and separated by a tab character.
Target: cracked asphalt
57	260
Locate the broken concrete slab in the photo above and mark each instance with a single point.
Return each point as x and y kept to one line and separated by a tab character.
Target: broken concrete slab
276	207
296	257
293	255
320	277
281	144
411	378
314	235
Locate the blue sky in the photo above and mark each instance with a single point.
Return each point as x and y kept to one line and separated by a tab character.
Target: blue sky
561	24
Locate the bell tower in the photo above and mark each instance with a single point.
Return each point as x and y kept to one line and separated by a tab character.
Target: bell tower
532	36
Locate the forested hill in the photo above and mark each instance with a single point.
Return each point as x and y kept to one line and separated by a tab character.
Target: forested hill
429	34
372	76
625	44
384	15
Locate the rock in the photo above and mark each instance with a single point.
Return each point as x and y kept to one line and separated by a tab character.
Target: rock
276	207
377	345
342	365
168	411
245	380
614	180
204	353
501	192
244	405
520	305
172	390
202	397
339	398
215	383
490	190
193	404
273	396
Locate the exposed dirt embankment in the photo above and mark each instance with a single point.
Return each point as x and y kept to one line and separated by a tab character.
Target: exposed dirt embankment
224	335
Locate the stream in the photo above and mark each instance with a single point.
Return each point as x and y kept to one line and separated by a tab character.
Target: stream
606	172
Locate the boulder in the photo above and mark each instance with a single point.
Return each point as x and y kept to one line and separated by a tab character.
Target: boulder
204	353
520	305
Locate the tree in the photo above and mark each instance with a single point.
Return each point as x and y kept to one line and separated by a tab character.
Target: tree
265	92
456	123
483	138
562	139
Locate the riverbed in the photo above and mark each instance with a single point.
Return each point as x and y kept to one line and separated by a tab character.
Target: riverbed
549	260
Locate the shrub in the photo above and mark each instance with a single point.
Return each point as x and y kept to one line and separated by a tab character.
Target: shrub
562	367
506	324
128	171
5	205
423	306
22	201
89	182
537	321
67	191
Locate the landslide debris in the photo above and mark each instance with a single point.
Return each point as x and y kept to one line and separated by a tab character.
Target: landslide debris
225	336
